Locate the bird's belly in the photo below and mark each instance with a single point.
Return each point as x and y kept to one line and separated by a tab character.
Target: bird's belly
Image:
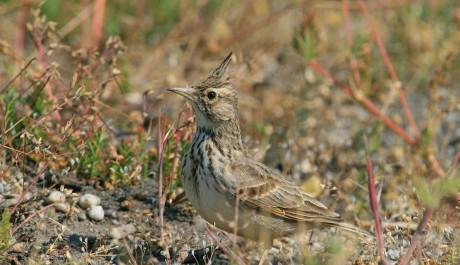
215	207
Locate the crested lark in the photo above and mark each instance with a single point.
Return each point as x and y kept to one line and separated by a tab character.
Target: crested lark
217	171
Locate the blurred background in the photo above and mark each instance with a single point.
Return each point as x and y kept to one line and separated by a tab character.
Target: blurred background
291	62
175	43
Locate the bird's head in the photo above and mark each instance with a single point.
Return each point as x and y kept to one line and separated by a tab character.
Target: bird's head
213	99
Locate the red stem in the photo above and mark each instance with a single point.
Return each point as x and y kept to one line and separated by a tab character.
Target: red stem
41	57
367	104
31	216
374	203
226	250
418	233
390	69
353	61
16	76
456	159
34	181
34	122
98	22
21	26
160	173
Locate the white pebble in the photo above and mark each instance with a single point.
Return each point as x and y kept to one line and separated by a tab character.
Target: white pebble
96	213
88	200
62	207
55	196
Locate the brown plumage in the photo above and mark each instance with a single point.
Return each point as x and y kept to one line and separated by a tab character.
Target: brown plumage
217	170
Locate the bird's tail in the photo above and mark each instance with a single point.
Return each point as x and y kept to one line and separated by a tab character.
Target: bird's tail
351	228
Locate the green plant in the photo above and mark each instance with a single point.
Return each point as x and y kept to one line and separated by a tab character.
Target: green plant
5	230
93	158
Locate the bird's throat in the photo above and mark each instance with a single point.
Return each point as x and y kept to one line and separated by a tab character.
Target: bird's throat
227	133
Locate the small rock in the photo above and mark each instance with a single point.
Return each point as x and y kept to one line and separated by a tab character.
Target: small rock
273	251
122	231
110	213
55	196
88	200
96	213
127	204
277	244
15	199
62	207
142	196
81	216
114	232
289	250
18	247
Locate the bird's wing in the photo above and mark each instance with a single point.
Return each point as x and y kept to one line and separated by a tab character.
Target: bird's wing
263	189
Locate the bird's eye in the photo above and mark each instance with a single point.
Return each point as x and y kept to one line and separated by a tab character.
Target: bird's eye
212	95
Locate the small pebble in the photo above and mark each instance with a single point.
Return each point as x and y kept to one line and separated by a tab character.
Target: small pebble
81	216
127	204
14	200
142	196
18	247
274	251
96	213
88	200
110	213
62	207
277	244
55	196
122	231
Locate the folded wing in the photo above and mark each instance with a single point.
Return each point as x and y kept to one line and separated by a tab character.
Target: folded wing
264	190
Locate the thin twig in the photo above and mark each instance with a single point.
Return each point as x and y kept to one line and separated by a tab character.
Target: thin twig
367	104
130	252
160	173
436	166
418	233
41	57
31	216
21	26
390	69
98	22
455	159
353	61
36	178
374	202
17	75
36	121
226	250
236	215
84	14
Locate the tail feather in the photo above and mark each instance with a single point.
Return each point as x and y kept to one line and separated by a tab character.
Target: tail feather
351	228
334	223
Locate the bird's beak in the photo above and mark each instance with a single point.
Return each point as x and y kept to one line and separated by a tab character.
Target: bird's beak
186	92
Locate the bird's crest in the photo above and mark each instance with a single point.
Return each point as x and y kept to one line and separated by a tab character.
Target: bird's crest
219	77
